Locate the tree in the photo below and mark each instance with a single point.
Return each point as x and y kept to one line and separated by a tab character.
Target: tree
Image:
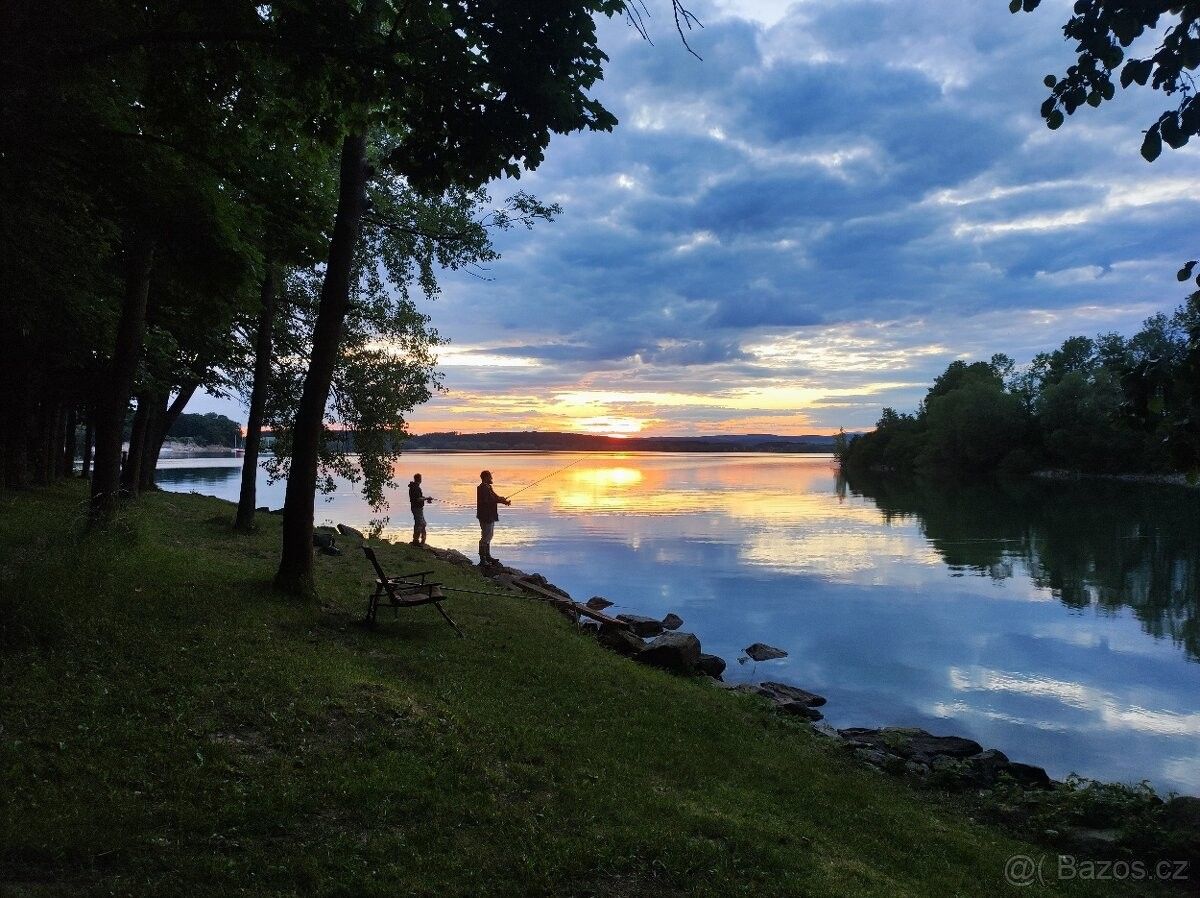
1103	31
464	93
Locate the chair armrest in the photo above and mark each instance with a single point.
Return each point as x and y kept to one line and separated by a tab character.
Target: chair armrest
421	574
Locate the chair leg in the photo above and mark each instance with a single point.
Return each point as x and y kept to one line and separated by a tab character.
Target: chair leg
442	612
372	608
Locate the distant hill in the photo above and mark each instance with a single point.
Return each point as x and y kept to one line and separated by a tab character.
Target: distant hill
589	442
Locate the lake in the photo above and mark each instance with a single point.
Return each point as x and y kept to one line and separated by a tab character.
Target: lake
1056	621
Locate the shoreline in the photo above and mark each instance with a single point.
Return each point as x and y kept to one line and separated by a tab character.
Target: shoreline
1060	474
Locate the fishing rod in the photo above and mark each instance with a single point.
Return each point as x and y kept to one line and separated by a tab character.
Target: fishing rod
518	492
547	477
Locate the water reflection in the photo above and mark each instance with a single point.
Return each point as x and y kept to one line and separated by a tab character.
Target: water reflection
1091	544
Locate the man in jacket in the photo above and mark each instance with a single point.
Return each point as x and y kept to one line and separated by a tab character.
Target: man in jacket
487	511
416	501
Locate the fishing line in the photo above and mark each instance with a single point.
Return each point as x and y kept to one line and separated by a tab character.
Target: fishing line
547	477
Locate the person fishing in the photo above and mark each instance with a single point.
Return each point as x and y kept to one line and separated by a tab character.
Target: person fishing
417	501
487	511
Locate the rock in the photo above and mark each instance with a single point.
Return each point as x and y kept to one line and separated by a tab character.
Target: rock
598	603
909	742
322	539
642	626
800	709
1183	813
330	550
760	651
351	532
823	729
672	621
590	627
620	641
872	756
781	692
676	652
455	557
711	665
1029	776
916	769
987	766
1093	841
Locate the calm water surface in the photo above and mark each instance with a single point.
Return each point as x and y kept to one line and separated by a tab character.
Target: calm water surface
1059	622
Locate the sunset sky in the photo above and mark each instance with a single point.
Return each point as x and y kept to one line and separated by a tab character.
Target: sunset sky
811	223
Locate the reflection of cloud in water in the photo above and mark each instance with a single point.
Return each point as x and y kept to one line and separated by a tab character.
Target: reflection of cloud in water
1109	712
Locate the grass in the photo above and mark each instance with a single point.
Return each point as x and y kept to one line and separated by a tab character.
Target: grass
168	725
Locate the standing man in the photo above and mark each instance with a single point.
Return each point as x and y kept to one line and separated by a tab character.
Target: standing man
486	509
416	501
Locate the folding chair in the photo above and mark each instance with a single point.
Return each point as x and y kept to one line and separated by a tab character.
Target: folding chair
405	591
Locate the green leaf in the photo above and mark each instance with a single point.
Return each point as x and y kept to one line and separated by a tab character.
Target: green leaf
1054	120
1014	6
1050	80
1186	271
1152	145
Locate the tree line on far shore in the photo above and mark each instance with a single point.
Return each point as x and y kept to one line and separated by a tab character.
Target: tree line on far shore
1108	404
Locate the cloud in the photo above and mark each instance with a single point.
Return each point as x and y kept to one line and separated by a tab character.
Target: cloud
840	195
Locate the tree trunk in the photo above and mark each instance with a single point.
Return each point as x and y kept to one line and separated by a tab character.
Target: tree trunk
18	366
258	400
113	396
161	422
68	456
58	438
131	470
296	558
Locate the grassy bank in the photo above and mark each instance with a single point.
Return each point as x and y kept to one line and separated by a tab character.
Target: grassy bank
168	725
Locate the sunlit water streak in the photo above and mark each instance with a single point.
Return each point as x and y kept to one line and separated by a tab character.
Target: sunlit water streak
1057	624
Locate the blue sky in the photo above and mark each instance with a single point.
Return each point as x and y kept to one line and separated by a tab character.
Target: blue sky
843	197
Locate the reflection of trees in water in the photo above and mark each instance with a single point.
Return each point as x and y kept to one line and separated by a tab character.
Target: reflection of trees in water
1092	542
196	475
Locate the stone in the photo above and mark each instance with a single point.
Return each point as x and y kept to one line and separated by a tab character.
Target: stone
987	766
783	692
455	557
598	603
351	532
1029	776
916	769
760	651
590	626
872	756
322	539
821	728
711	665
672	621
642	626
1183	813
620	640
909	742
799	709
676	652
